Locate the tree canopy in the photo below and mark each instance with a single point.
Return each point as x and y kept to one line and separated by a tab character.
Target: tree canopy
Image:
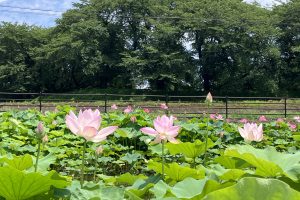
228	47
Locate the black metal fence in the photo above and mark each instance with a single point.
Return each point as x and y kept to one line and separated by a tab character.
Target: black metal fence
183	106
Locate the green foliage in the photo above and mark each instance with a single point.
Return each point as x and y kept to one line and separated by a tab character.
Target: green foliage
268	162
92	191
170	46
19	185
19	162
130	167
177	172
188	149
256	188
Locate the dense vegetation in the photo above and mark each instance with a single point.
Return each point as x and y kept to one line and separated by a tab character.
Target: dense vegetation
228	47
210	161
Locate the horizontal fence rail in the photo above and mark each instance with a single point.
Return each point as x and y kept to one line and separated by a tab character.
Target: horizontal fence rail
181	106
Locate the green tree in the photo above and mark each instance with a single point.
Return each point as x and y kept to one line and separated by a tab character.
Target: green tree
17	62
288	21
234	46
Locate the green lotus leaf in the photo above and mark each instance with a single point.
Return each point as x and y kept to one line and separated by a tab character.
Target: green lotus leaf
19	162
190	126
129	178
177	172
160	189
255	188
296	138
131	157
138	189
17	185
45	162
231	163
190	150
268	161
188	188
95	192
228	174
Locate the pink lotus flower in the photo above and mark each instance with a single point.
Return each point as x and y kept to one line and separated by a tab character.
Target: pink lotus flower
146	110
133	119
292	126
262	119
243	120
297	119
128	109
114	107
252	132
216	116
212	116
163	106
219	117
87	124
164	130
279	120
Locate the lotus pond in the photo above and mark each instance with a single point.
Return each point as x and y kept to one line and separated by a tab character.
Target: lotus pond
201	158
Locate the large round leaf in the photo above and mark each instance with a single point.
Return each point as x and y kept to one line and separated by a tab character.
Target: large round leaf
256	188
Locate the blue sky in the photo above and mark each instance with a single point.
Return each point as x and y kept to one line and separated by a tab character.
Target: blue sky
47	18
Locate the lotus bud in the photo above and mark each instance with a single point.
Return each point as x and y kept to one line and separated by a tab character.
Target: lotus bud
293	127
209	98
45	139
40	128
99	150
133	119
146	110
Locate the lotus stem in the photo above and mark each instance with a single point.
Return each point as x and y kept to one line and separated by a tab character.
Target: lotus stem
82	164
163	159
38	155
206	135
96	165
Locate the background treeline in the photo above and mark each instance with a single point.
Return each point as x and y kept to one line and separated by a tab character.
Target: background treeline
228	47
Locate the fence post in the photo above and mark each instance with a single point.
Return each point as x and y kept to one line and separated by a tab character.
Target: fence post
40	101
105	103
166	99
226	107
285	107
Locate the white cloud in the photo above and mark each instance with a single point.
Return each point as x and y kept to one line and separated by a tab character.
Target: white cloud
266	3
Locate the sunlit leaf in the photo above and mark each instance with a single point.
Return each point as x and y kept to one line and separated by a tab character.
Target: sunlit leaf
190	150
255	188
176	172
17	185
